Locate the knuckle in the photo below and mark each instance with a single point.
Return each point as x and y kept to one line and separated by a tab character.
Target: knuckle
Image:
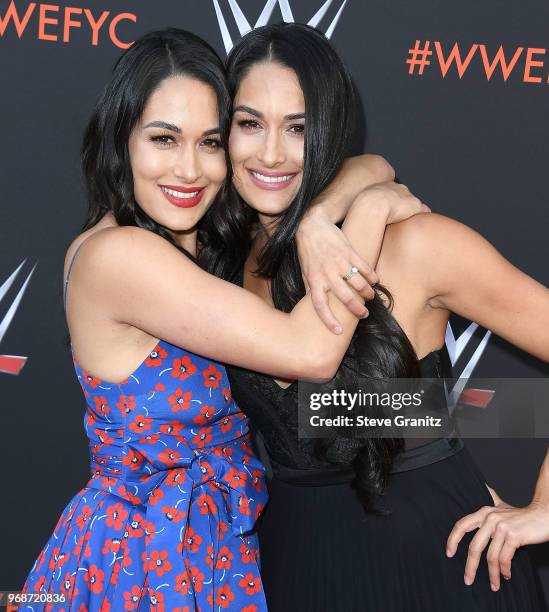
474	548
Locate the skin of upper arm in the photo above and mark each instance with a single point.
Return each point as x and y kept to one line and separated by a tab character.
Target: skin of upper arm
462	272
136	277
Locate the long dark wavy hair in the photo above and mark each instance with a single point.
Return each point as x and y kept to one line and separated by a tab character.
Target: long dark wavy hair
136	75
379	347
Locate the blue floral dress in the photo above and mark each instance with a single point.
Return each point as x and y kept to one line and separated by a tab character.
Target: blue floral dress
166	521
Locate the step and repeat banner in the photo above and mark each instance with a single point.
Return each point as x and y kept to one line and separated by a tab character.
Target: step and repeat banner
455	97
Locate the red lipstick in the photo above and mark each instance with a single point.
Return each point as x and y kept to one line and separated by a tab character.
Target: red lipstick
186	202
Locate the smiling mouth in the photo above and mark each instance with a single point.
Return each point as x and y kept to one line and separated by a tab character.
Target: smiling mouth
180	195
286	178
183	197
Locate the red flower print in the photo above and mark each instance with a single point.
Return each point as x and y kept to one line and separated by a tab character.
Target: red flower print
212	376
156	495
246	448
173	514
175	477
247	552
116	516
169	457
192	540
197	577
257	479
258	511
155	357
206	413
103	436
206	504
159	562
83	608
244	505
81	541
210	556
149	532
182	583
137	527
101	405
83	517
126	404
224	558
94	577
250	608
173	427
180	400
226	424
251	583
111	545
207	471
183	368
68	585
108	483
157	601
90	417
115	571
235	478
91	380
140	423
203	437
133	459
150	439
39	584
105	606
222	527
132	597
226	393
224	596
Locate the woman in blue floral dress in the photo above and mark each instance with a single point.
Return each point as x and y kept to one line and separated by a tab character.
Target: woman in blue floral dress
166	521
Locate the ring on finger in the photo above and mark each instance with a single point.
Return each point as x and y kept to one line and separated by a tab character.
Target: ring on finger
350	273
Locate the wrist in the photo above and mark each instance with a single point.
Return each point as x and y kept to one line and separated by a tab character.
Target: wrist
540	502
370	205
323	210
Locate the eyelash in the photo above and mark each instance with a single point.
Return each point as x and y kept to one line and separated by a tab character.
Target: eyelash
162	140
250	124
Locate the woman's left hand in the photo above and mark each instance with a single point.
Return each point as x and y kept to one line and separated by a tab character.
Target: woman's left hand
325	255
508	527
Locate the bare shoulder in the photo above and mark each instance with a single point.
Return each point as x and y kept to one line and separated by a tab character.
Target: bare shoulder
113	247
425	237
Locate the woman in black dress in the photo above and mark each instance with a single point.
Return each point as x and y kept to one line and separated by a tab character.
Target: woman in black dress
362	524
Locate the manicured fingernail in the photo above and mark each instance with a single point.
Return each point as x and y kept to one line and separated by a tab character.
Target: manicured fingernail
467	580
364	314
338	329
494	587
507	577
449	553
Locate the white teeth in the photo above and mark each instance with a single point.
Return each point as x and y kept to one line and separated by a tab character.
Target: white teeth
179	194
272	179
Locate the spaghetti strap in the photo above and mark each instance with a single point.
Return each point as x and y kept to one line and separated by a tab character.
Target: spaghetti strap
66	284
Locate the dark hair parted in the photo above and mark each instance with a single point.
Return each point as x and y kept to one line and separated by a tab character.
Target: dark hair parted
379	347
139	71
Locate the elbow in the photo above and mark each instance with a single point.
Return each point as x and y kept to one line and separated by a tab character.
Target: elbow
383	169
320	368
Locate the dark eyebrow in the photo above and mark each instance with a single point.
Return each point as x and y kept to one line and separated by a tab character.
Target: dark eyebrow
256	113
173	128
165	126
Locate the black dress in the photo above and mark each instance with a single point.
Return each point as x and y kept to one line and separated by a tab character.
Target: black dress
321	552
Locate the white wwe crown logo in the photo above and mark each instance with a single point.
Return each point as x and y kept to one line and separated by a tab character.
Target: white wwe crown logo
12	364
244	25
455	348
